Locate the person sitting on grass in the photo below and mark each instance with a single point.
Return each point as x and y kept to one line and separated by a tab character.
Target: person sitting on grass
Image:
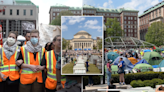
87	64
111	86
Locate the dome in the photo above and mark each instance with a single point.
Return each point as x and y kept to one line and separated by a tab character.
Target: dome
82	33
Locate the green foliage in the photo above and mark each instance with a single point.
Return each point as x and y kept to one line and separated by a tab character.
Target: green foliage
57	20
96	80
136	76
155	33
144	83
99	43
114	27
65	44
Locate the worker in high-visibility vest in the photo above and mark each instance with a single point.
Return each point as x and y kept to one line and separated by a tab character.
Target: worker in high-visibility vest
29	60
52	60
9	71
27	36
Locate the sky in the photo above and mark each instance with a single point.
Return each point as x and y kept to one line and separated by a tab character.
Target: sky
140	5
71	25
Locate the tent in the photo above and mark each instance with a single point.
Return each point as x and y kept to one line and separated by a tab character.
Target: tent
128	64
161	64
133	60
147	50
114	69
157	50
142	61
112	56
153	58
143	67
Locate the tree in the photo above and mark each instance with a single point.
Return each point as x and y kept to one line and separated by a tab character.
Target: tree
99	43
155	33
64	43
57	20
113	27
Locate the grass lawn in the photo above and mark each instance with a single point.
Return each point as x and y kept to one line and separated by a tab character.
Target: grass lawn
93	69
68	68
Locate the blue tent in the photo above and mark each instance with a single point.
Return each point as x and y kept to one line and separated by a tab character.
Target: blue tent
128	64
89	49
112	56
147	50
155	66
161	64
75	49
142	61
79	48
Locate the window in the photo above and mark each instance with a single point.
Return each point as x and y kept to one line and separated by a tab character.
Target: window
125	26
74	12
128	30
104	18
134	22
53	18
31	12
84	10
135	31
104	14
131	30
128	22
129	26
128	18
107	14
131	18
4	12
134	26
93	12
11	12
124	17
125	22
124	30
134	18
53	14
57	13
125	34
131	22
24	12
17	12
118	19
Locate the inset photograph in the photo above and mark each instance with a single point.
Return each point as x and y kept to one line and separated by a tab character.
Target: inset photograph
82	48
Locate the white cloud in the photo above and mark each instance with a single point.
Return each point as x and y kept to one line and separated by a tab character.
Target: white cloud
63	19
75	19
109	3
64	28
80	26
140	5
92	24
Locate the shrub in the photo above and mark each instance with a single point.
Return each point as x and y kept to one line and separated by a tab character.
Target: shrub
96	80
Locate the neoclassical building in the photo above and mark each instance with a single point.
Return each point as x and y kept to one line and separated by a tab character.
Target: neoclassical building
82	41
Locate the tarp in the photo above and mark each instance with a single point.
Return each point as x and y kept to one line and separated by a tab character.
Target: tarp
142	61
153	58
133	60
147	50
48	32
161	64
143	67
128	64
112	56
155	66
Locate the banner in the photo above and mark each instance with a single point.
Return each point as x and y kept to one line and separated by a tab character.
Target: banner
1	38
26	25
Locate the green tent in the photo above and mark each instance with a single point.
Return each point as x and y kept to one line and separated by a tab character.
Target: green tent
158	50
153	58
114	69
143	67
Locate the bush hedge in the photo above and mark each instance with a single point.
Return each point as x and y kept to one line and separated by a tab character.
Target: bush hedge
144	83
129	78
96	80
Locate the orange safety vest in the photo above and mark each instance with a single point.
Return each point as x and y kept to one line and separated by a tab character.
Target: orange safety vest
8	66
25	43
51	81
27	75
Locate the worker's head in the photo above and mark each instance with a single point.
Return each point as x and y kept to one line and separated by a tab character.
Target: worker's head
47	46
121	59
57	41
111	80
27	35
34	37
12	38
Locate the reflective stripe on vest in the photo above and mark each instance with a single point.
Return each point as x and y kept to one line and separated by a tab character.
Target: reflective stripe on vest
27	61
63	78
6	68
50	65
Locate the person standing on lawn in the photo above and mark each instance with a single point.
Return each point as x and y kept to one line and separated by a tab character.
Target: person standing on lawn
87	64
